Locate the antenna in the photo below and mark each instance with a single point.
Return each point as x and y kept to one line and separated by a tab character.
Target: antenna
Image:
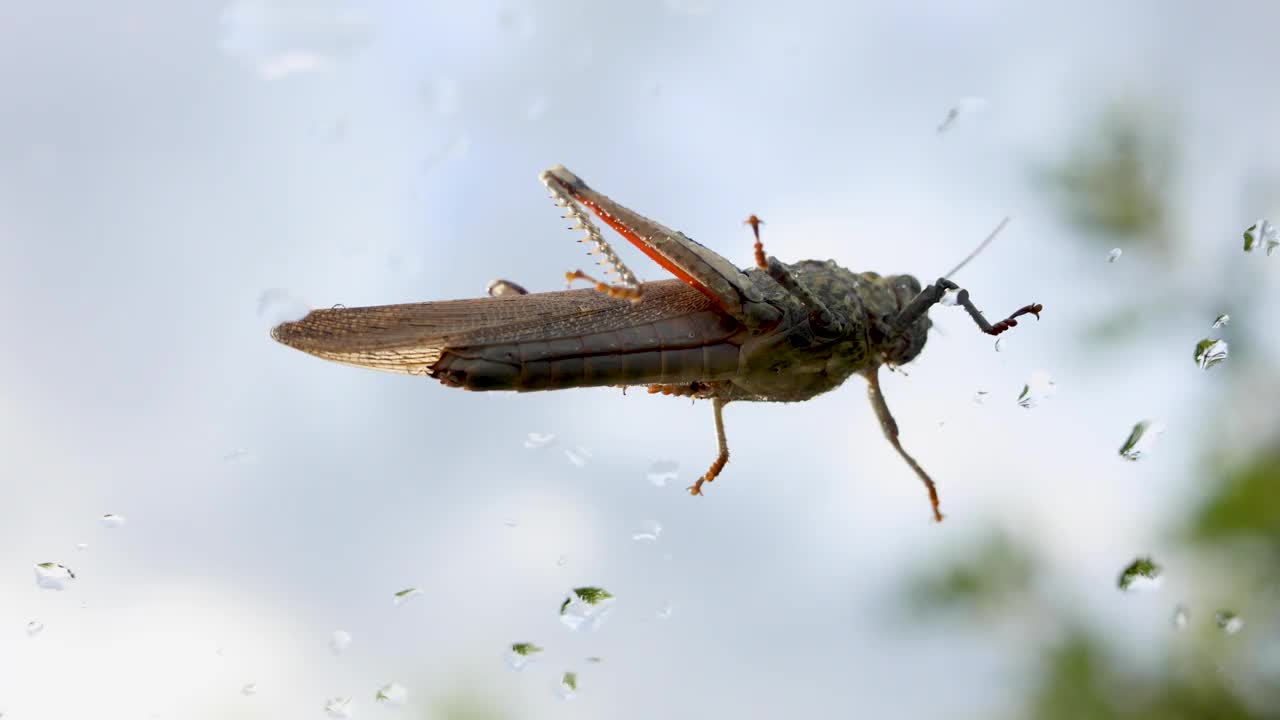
980	248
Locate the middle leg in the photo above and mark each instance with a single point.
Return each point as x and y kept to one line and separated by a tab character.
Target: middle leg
722	457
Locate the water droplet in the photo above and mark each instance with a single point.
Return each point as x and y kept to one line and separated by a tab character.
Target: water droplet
249	689
689	7
663	472
82	546
1210	352
515	21
562	561
331	131
111	520
34	628
522	654
339	707
53	576
949	297
999	342
1181	616
1114	255
980	397
406	595
510	522
1141	574
280	306
439	95
964	106
1141	439
1221	321
578	455
665	612
1040	387
393	694
1261	234
537	108
339	641
568	688
537	441
583	604
1228	621
500	287
278	40
651	531
239	456
456	147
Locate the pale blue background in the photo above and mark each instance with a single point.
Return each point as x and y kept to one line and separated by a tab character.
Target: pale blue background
163	164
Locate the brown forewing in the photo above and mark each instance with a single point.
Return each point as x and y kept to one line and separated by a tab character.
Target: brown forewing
410	338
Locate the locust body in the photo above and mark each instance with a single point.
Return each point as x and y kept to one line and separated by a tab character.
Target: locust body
775	332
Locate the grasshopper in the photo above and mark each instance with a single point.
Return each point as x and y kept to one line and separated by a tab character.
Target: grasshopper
776	332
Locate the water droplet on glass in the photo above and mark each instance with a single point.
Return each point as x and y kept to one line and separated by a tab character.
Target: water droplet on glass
456	147
537	108
562	561
1141	439
239	456
82	546
500	287
393	694
568	687
1141	574
406	595
53	576
1221	321
665	612
522	654
279	306
1261	234
1181	616
1210	352
583	604
282	39
689	7
949	297
111	520
964	106
515	21
663	472
1228	621
578	455
249	689
1040	387
980	397
510	522
330	131
439	95
339	641
34	628
1114	255
536	440
339	707
651	531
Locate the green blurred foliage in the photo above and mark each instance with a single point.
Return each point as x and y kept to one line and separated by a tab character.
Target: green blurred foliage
1113	180
985	580
1080	681
465	704
1246	505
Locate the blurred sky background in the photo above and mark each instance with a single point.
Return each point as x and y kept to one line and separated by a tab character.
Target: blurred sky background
169	171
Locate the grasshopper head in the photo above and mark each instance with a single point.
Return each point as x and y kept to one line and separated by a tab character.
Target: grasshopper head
905	346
